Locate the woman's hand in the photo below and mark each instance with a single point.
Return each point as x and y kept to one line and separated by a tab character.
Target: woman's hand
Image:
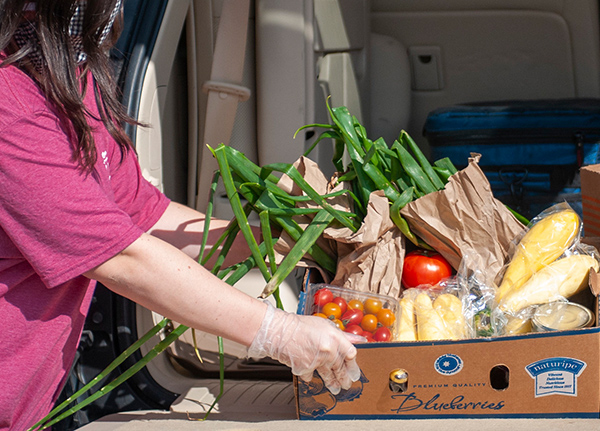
306	344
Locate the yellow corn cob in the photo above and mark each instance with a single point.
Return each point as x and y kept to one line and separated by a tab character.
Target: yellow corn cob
407	330
563	278
430	325
449	307
545	242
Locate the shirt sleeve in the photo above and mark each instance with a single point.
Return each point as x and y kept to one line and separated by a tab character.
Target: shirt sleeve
65	221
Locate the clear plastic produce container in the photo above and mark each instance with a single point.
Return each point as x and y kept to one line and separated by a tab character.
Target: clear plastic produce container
371	315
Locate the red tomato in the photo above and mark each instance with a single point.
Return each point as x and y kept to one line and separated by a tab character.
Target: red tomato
352	317
383	334
341	302
424	267
354	329
323	296
369	337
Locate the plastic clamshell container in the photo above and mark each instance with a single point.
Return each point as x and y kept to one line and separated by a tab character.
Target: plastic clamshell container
387	302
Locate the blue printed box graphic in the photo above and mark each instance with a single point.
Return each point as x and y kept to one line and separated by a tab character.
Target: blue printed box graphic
556	376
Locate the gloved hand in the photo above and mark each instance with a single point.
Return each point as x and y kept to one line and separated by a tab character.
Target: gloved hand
306	344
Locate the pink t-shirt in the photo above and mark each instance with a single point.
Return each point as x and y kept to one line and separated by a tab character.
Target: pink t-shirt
55	223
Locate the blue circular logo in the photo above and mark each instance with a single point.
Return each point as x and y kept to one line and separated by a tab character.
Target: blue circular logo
448	364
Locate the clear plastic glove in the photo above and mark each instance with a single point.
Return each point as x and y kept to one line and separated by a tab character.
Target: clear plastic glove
306	344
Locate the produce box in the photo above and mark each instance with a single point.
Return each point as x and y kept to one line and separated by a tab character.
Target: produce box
552	374
534	375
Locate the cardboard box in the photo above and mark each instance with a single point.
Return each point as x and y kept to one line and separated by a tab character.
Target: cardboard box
535	375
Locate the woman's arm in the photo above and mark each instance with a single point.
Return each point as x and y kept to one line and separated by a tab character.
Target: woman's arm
183	227
162	278
160	272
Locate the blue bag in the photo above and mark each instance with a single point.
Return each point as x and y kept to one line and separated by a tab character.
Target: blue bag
531	150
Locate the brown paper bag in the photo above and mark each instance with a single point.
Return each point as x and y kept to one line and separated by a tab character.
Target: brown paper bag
465	218
373	257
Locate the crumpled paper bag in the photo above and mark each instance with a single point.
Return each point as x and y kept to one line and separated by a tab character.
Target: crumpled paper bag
465	218
373	257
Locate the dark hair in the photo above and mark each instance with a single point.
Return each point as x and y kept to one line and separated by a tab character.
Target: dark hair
59	78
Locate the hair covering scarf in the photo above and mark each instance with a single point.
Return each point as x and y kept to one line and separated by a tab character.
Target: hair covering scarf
27	35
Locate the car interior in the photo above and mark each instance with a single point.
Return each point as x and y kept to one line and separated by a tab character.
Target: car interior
391	62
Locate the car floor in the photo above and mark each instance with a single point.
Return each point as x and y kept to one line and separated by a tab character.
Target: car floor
154	421
270	405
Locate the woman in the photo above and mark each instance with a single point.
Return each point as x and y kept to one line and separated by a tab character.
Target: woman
76	210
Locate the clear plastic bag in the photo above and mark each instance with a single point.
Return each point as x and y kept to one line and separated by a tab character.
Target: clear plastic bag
549	263
435	313
479	300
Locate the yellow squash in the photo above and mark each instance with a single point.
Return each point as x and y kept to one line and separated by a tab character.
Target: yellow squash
449	307
517	325
543	243
407	330
563	278
430	325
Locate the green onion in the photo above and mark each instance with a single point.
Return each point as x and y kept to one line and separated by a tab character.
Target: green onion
423	162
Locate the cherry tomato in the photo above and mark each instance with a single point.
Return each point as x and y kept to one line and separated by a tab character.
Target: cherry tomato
354	329
369	322
320	315
338	324
386	317
383	334
323	296
355	304
424	267
372	305
369	337
341	302
332	310
352	317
